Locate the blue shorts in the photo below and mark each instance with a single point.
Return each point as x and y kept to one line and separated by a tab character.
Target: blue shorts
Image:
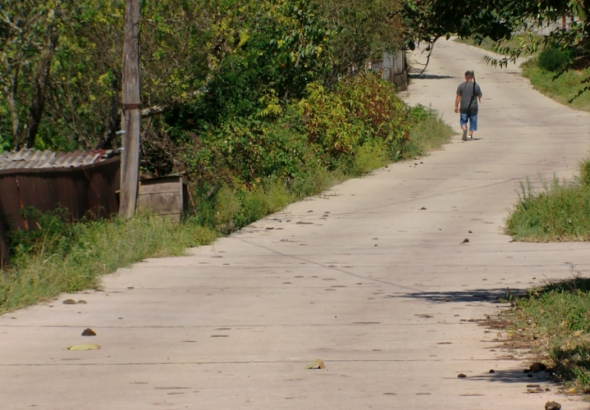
472	121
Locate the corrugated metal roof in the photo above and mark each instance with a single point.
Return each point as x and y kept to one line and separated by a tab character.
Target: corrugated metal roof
30	159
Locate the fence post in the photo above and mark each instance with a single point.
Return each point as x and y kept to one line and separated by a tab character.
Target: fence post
400	76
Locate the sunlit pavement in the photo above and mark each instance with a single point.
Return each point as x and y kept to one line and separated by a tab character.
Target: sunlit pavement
372	277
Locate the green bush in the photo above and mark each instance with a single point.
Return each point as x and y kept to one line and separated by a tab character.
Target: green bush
51	229
422	113
362	109
585	172
554	59
246	150
282	142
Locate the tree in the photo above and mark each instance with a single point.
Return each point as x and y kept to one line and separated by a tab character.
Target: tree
30	35
429	20
366	29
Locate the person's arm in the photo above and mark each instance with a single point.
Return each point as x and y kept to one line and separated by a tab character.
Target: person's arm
457	101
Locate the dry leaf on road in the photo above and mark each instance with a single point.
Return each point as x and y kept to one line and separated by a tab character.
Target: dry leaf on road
316	365
84	347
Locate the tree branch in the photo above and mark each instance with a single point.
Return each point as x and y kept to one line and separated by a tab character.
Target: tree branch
41	78
164	108
11	91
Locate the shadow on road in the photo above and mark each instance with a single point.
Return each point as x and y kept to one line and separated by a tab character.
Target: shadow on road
429	77
511	376
472	295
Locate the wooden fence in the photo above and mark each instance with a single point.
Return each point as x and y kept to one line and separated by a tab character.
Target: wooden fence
86	191
393	68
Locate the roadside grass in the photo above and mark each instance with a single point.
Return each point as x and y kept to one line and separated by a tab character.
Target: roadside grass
62	257
559	212
562	87
429	134
554	322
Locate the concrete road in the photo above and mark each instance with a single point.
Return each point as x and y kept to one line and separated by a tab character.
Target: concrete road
370	277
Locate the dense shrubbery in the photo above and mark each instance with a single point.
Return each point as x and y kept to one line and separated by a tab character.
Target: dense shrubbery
203	63
324	137
554	59
323	129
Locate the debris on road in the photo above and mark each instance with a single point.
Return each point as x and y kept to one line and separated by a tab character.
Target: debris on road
88	332
552	405
69	302
84	347
317	364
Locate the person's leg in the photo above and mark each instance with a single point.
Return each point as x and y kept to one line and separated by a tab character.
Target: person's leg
472	125
463	121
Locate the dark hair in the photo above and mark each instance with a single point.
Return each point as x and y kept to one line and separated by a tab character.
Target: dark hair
469	74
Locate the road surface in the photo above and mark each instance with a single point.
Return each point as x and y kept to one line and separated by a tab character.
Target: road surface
371	277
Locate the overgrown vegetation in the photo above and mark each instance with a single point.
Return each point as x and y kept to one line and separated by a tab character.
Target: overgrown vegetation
559	212
258	102
565	86
62	257
204	62
555	321
226	204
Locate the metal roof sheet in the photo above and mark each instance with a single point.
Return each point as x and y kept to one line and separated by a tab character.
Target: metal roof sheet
32	159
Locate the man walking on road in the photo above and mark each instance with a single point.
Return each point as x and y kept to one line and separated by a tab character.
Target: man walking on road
468	95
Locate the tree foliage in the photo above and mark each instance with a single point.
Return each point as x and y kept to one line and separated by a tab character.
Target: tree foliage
428	20
202	61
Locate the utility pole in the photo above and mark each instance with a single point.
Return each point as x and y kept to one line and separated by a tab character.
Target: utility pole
132	106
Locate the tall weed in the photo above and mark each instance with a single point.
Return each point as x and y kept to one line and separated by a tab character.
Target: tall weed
43	268
559	212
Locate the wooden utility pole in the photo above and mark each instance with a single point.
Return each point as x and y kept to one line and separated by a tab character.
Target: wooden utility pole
132	106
